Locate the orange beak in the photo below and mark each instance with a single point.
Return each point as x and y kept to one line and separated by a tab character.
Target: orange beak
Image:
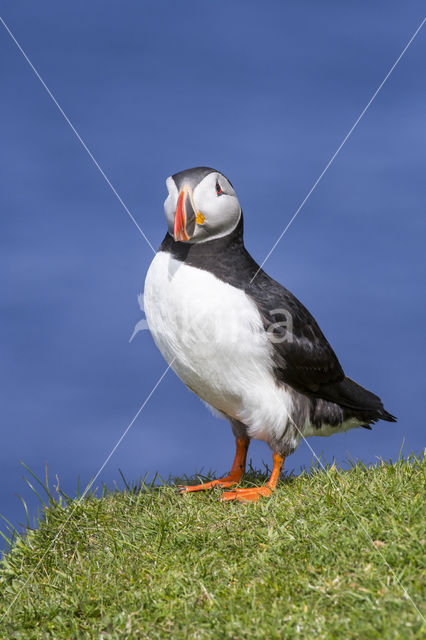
184	226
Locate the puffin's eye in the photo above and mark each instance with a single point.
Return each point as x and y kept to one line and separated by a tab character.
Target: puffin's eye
218	188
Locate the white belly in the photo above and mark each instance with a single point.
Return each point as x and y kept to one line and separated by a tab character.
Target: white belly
213	336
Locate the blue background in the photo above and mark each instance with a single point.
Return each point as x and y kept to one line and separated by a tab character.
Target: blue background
263	91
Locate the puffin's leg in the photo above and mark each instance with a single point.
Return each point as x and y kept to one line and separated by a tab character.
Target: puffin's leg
238	468
252	495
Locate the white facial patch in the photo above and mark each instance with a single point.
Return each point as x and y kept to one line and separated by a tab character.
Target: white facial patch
221	211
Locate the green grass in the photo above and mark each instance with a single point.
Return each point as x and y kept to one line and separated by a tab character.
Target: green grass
328	556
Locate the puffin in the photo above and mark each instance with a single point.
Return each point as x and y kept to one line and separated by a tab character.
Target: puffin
240	340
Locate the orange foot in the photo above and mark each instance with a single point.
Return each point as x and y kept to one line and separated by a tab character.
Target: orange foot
221	482
235	474
246	495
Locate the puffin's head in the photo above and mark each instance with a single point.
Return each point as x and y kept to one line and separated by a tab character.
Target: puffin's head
201	205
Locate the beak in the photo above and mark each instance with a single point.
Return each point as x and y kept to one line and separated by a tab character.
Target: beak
185	216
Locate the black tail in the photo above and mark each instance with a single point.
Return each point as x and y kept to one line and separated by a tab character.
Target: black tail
388	416
359	402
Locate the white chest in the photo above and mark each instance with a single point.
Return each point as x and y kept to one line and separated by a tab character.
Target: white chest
210	331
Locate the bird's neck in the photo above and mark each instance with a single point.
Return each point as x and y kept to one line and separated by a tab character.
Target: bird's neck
226	257
232	243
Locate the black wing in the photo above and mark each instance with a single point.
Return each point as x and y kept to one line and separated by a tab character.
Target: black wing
303	357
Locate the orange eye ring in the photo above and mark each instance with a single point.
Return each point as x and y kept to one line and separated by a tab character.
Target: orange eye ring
219	189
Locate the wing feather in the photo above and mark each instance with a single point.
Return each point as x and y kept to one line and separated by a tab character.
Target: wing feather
303	357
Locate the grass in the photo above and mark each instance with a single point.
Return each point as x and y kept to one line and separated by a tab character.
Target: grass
330	555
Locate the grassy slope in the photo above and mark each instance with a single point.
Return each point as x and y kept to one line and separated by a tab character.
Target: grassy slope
154	564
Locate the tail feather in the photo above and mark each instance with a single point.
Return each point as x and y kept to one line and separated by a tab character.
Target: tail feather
364	404
388	416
